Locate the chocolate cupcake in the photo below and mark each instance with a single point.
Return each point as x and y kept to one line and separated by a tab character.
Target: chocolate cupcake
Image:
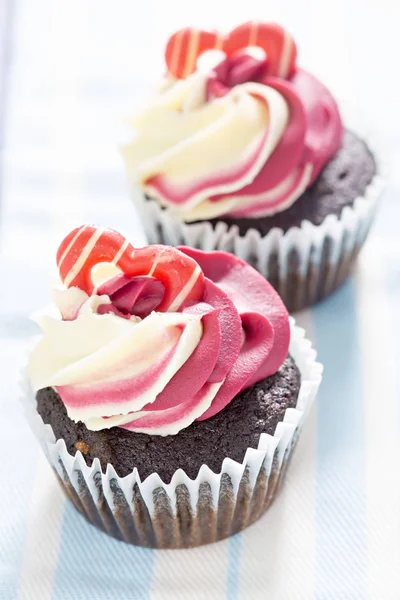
249	155
168	390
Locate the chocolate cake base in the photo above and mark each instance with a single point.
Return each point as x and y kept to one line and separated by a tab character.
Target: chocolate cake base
185	514
342	180
229	433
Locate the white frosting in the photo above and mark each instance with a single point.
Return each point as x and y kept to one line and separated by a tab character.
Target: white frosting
93	352
187	140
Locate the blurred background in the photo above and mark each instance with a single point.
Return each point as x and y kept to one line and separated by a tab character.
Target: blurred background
70	72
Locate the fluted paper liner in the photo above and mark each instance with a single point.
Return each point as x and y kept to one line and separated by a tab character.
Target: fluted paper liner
185	512
304	264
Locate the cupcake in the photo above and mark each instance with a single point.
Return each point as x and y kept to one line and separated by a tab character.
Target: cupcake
246	152
168	389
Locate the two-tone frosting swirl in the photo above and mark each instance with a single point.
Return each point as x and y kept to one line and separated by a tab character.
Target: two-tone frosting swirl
244	138
172	337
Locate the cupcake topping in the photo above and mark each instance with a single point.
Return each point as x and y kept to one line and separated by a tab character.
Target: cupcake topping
171	337
87	246
245	137
186	45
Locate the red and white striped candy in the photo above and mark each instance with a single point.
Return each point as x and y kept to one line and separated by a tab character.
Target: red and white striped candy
89	245
184	48
186	45
276	42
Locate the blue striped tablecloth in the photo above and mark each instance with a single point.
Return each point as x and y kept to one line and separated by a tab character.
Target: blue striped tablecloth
78	67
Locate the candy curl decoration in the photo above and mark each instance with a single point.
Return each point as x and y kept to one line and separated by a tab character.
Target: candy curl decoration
87	246
185	46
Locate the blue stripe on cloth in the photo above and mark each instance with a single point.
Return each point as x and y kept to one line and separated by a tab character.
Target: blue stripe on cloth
15	506
395	316
234	556
341	503
387	227
91	560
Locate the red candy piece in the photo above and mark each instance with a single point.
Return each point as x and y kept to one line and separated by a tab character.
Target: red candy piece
89	245
184	48
186	45
276	42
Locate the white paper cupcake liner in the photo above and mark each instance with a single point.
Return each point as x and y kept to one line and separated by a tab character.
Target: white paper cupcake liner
304	264
185	512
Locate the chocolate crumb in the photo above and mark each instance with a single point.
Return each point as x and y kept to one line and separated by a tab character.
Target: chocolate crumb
82	447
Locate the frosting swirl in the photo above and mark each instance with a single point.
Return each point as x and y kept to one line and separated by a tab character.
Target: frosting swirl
244	138
127	354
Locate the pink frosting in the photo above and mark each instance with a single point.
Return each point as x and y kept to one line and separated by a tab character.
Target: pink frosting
242	300
245	338
312	137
